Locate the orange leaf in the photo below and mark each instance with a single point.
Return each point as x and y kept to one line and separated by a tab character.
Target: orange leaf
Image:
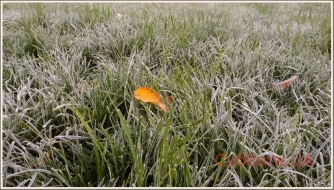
146	94
285	84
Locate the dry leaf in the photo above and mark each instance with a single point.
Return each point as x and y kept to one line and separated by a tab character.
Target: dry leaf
285	84
146	94
170	99
46	156
119	15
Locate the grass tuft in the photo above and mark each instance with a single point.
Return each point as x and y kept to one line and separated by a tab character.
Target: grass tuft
70	118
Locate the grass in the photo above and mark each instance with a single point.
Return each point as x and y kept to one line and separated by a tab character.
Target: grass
69	117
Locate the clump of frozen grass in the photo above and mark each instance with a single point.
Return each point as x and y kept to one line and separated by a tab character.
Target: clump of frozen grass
70	119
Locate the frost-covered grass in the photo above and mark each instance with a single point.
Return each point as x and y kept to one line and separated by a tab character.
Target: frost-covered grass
69	117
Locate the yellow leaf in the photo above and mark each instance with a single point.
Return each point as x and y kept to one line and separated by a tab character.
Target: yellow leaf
146	94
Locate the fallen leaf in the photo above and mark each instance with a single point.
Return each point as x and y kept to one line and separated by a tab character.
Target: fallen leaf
119	15
46	156
81	87
34	164
38	161
146	94
170	99
285	84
